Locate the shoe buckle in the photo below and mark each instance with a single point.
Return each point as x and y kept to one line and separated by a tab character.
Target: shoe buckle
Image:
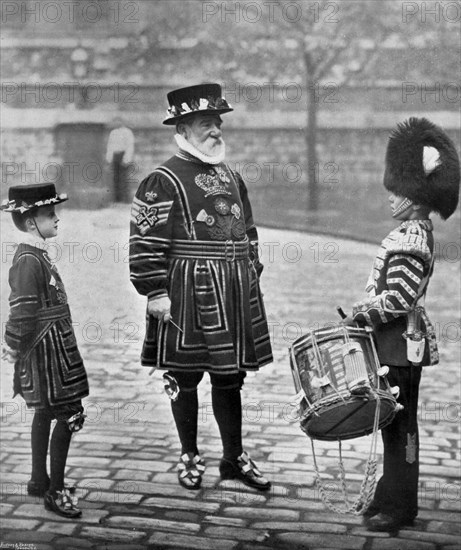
248	464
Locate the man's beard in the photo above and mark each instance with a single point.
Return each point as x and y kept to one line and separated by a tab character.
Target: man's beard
211	147
207	154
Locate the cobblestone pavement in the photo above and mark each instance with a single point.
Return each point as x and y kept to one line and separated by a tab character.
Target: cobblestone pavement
124	460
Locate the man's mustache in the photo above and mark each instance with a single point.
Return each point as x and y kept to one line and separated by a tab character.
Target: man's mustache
216	141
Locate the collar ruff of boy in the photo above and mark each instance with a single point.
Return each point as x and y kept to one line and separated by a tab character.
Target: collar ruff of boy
33	240
186	146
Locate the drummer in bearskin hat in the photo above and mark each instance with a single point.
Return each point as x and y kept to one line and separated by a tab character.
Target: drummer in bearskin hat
193	254
422	174
48	369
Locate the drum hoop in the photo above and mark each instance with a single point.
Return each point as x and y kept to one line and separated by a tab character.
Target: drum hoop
333	399
346	333
337	328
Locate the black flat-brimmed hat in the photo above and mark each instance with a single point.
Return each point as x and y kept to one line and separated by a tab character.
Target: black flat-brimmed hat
422	164
22	198
201	98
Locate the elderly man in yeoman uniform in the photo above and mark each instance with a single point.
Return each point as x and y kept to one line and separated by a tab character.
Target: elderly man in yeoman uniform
193	254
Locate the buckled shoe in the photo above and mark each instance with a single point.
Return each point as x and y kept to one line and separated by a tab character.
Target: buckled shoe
244	469
190	471
62	503
38	489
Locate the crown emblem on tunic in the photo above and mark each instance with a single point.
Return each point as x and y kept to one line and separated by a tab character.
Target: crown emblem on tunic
211	184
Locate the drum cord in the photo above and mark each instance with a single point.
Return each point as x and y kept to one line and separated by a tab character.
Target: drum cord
369	481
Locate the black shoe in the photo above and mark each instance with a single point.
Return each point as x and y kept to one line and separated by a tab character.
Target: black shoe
62	503
370	512
385	523
37	488
190	471
244	469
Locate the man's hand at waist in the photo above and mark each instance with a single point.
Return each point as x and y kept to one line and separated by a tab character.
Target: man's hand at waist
9	354
159	308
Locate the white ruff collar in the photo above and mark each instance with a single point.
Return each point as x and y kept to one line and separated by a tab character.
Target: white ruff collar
189	148
33	240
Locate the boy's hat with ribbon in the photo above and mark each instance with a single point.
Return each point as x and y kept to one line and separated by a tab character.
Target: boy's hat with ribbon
22	198
202	98
422	164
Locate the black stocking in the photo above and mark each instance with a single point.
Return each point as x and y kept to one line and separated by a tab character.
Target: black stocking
40	435
60	441
227	409
185	413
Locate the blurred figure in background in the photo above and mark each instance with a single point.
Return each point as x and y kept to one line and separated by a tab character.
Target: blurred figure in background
120	151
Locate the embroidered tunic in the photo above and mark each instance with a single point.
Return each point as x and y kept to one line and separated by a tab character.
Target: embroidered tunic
397	280
49	370
193	239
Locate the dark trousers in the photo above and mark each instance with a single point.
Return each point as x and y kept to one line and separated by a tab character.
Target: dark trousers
397	490
121	191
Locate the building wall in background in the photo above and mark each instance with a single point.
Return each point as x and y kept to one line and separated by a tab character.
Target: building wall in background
353	201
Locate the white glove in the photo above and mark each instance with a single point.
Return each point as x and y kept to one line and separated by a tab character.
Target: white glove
159	308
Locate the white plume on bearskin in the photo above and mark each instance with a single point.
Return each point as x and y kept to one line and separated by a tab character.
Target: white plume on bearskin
422	164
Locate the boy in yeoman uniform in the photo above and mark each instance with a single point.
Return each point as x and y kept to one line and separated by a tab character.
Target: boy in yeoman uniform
48	369
422	174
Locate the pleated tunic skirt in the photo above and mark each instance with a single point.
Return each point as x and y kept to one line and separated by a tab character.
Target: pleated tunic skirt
218	323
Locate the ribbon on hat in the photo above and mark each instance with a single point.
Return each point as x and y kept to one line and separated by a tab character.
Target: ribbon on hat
431	159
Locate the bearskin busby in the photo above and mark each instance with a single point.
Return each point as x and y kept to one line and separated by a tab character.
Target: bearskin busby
422	165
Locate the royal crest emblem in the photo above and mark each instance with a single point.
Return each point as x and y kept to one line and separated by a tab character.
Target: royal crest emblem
211	184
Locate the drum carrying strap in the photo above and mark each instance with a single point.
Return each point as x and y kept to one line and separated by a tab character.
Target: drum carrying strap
369	481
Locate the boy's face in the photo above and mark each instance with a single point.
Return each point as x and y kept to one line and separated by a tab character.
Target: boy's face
46	221
401	207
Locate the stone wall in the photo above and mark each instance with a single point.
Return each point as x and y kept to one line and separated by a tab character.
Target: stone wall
353	201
